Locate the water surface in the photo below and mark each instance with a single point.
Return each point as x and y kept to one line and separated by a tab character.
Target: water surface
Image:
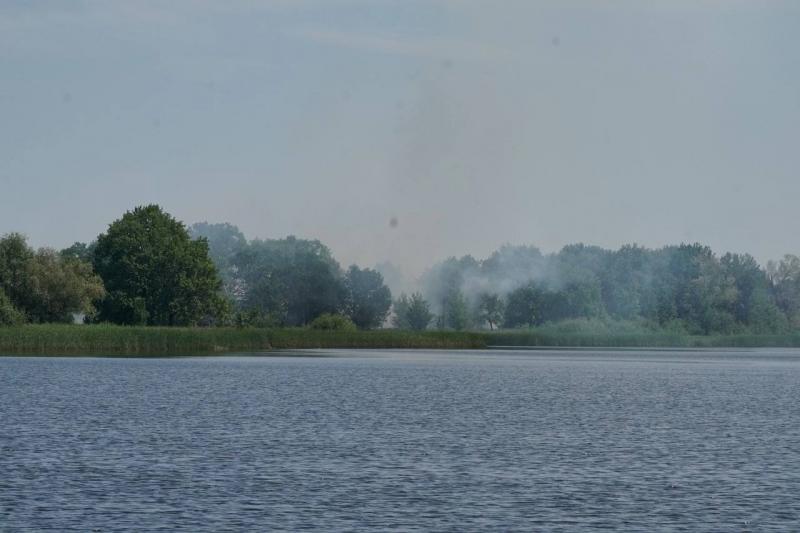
392	440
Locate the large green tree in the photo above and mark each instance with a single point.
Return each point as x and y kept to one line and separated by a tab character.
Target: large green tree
155	273
291	281
490	309
366	298
524	306
455	313
412	313
15	258
624	281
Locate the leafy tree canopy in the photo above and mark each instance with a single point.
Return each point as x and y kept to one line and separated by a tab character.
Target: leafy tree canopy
491	308
412	312
9	315
155	273
291	280
44	286
366	299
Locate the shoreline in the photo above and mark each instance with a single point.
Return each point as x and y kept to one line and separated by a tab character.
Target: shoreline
51	339
110	340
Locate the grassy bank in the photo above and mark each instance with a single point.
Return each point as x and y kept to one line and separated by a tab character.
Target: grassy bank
386	338
640	340
628	333
53	339
121	340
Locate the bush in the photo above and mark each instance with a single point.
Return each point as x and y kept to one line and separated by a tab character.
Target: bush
9	315
334	322
412	313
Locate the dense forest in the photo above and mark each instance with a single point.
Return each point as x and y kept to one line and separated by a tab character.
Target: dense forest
150	269
684	288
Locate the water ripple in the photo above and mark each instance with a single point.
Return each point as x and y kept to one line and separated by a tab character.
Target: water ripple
400	442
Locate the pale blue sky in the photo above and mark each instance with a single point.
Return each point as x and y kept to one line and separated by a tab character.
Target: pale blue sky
474	123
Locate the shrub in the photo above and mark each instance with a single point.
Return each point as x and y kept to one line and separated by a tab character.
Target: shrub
9	315
328	321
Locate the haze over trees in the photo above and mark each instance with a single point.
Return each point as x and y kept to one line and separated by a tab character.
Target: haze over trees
491	309
292	281
412	312
225	241
150	269
784	276
684	288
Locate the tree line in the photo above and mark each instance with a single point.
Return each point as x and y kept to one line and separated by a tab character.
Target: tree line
150	269
683	288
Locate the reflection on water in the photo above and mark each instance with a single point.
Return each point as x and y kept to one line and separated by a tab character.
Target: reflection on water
402	440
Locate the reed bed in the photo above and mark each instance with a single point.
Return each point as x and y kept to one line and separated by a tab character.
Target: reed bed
386	338
53	339
640	340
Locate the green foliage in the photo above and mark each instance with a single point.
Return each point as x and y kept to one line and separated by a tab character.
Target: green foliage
105	339
109	339
366	299
297	338
79	250
253	318
225	242
686	287
15	259
574	300
58	287
330	321
444	282
45	286
455	312
784	276
491	309
583	332
524	306
512	266
9	315
764	317
400	312
624	279
154	273
291	280
412	313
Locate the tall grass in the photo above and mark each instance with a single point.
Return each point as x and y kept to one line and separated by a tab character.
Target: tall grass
52	339
665	340
610	333
385	338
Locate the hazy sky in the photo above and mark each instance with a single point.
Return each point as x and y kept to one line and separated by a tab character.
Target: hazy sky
473	123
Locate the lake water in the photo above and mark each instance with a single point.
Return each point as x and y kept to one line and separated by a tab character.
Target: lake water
393	440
